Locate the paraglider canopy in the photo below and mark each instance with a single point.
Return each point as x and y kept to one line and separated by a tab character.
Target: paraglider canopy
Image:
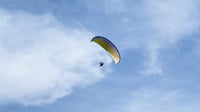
108	46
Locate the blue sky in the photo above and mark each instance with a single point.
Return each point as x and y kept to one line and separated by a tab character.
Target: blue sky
48	63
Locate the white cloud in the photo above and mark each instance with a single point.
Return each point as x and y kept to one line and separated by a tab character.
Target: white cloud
41	60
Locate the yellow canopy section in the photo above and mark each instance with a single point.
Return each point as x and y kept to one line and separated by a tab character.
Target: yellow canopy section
108	46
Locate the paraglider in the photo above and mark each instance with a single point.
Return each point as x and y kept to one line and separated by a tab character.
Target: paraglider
101	64
108	46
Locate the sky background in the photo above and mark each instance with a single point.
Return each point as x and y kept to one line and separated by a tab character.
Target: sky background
48	64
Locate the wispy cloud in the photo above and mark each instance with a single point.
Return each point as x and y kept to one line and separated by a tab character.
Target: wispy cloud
152	100
41	60
155	25
170	21
117	6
